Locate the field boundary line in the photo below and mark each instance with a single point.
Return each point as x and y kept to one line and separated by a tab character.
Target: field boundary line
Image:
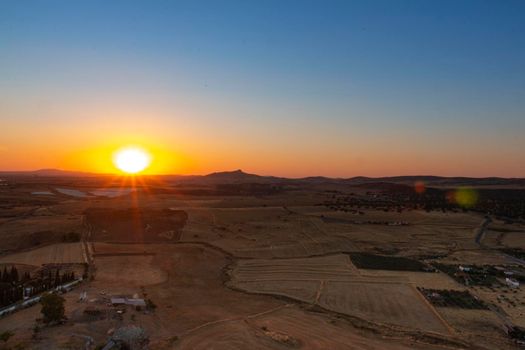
433	309
319	291
233	319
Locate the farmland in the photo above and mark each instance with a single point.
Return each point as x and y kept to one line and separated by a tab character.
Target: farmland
134	224
333	283
61	253
379	262
397	304
288	328
275	270
453	298
132	270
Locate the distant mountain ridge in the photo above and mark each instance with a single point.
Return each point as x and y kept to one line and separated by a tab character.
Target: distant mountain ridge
238	176
48	172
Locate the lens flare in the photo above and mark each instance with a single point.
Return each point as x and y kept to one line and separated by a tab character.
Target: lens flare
466	197
419	187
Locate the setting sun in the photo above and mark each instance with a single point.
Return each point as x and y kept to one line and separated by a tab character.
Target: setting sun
131	160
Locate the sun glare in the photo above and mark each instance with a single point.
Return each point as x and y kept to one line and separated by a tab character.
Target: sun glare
131	160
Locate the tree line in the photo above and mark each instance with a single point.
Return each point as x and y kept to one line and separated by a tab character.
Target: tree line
12	285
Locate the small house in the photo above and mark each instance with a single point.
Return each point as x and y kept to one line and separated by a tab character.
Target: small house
512	283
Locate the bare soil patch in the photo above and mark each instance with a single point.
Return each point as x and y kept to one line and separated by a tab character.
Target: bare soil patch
132	270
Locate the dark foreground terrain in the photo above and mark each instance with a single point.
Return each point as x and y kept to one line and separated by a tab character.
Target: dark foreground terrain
239	261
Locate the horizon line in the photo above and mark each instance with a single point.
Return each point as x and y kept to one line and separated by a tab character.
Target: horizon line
90	173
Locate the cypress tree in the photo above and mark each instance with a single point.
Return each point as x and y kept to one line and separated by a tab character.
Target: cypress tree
27	277
5	275
57	278
14	274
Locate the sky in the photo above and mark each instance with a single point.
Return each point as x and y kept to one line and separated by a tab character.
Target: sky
285	88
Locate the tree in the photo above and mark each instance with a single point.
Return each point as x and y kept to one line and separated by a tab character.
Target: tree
52	307
150	305
5	275
26	277
14	274
4	336
130	337
57	278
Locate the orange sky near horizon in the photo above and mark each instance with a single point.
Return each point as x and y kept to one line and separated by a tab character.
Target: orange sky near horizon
181	141
186	158
340	90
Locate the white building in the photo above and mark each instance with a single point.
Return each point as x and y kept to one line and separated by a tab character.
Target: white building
512	283
128	301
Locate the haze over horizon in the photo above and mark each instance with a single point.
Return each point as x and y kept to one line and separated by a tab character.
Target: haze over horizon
291	89
248	174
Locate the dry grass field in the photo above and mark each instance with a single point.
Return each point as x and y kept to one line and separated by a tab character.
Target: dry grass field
514	240
261	232
288	328
287	231
61	253
477	326
431	280
337	267
195	306
129	270
135	225
103	248
511	301
261	272
335	284
476	257
31	229
393	303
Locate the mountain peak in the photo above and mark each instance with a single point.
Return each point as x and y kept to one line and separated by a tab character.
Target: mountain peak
237	172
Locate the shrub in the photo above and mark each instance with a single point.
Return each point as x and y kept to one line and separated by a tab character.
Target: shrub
52	308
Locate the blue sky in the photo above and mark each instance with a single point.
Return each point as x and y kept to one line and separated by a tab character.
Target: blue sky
332	87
